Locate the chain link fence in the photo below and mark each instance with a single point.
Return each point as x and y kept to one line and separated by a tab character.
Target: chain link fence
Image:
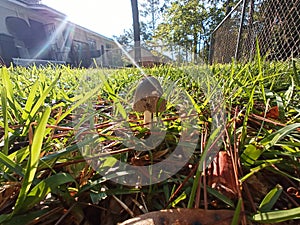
273	24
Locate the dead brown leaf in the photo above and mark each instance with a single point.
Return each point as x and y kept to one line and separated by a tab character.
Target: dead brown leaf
8	194
221	175
183	216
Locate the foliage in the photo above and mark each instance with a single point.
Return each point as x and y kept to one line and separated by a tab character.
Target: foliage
182	24
45	178
150	12
187	24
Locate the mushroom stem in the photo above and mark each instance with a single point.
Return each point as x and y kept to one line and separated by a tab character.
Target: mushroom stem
147	119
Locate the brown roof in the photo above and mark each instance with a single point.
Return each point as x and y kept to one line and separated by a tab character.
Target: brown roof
151	56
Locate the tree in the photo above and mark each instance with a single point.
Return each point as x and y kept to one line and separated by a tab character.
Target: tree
150	12
125	39
189	23
136	31
184	25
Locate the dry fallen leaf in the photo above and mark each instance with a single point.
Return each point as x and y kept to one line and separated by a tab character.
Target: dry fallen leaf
273	113
8	194
183	217
221	175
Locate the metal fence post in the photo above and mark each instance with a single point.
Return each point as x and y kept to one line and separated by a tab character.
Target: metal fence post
211	49
213	40
240	31
274	23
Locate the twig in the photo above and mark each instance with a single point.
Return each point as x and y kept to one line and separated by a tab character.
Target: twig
233	157
182	184
204	174
140	206
124	206
47	215
65	215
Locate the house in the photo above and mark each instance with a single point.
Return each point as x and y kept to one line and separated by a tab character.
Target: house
150	58
35	33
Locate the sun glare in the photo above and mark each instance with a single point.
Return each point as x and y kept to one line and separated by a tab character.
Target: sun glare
106	17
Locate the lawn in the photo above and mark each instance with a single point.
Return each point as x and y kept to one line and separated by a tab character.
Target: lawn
73	150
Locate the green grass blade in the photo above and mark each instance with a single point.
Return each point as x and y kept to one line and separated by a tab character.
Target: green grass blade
273	138
285	174
81	101
252	153
247	113
220	196
33	159
4	218
38	104
110	91
277	216
9	129
267	163
181	197
94	183
27	218
288	95
5	119
44	187
7	83
11	165
281	107
30	101
296	74
210	149
270	199
206	157
67	150
237	213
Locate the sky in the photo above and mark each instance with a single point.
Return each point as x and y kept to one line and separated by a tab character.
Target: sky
106	17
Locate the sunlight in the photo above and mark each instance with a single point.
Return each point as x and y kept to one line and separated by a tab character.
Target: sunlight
105	17
129	57
69	31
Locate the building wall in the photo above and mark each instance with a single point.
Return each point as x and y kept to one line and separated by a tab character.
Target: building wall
50	36
9	9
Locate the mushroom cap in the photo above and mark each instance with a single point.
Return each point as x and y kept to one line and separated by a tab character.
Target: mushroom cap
147	96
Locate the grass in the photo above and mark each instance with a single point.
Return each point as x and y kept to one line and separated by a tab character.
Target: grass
55	120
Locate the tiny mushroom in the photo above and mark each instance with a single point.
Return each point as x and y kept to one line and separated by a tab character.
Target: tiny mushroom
147	99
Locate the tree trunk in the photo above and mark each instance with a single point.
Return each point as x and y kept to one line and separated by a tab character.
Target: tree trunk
228	7
194	47
136	31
